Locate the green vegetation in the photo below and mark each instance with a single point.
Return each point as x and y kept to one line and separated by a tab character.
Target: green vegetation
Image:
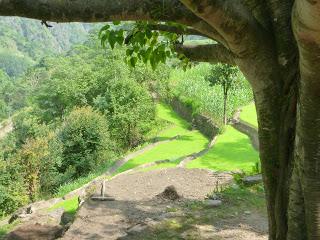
7	228
23	42
188	142
85	142
193	88
232	151
249	114
73	184
75	113
82	110
69	205
228	77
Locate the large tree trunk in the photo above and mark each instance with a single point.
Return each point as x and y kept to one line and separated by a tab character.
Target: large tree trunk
304	208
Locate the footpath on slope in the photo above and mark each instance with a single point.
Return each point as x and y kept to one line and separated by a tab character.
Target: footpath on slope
136	203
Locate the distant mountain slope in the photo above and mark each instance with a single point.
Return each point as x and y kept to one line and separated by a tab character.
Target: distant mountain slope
25	41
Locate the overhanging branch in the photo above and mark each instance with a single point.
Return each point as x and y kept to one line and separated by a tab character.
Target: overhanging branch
108	10
233	21
174	29
212	53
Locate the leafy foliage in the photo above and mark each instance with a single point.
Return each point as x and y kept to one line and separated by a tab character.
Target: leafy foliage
28	126
227	77
23	42
143	42
130	110
224	75
31	157
13	193
193	88
85	142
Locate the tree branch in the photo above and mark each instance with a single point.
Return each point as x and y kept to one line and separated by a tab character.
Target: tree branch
212	53
178	30
233	21
98	10
105	11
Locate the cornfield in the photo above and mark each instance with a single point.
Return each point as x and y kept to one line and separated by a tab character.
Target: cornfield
192	88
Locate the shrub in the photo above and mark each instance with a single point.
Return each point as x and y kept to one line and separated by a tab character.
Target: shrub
130	111
85	142
28	126
13	193
31	157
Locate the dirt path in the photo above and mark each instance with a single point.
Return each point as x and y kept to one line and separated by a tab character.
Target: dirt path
138	211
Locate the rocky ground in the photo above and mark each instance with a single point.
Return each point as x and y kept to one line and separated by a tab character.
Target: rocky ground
138	211
175	203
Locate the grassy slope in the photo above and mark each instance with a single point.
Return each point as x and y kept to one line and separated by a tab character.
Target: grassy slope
69	205
232	151
188	142
249	115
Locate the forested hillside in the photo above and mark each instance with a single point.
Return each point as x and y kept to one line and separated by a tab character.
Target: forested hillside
23	41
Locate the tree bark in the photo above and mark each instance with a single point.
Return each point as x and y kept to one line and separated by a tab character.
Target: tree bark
213	53
225	96
306	181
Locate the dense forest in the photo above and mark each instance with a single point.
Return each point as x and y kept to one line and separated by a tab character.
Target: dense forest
24	42
76	107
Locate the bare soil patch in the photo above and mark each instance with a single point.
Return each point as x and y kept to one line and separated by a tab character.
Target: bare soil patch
137	212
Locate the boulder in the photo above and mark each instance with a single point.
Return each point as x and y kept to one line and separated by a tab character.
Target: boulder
36	232
66	218
251	180
137	229
169	193
213	203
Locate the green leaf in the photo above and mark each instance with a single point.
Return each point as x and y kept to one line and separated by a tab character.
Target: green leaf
140	38
148	34
116	22
104	38
129	52
104	28
112	39
133	61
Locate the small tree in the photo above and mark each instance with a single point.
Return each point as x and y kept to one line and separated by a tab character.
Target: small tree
31	156
225	76
85	142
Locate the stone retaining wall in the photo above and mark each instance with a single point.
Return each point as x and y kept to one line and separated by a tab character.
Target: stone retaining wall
246	128
203	123
250	131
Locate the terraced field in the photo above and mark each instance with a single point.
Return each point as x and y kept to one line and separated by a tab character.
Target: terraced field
231	152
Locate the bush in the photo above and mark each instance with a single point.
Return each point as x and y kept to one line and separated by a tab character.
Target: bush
85	142
130	111
12	189
28	126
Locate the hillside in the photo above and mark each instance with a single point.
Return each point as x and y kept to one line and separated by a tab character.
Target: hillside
25	41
